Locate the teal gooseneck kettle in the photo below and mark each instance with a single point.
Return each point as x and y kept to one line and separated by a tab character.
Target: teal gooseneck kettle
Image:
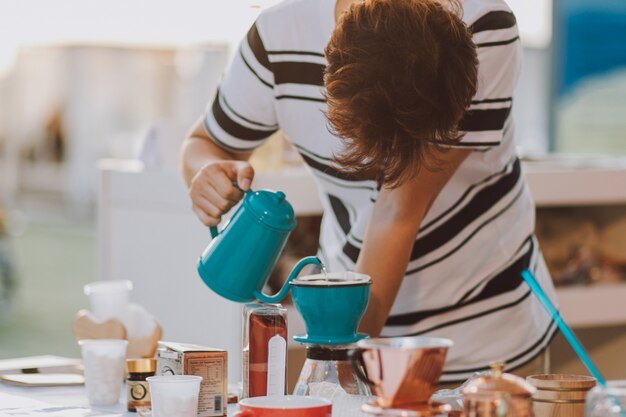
238	261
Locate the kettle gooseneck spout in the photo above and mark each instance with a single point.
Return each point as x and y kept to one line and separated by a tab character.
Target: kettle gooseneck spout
277	298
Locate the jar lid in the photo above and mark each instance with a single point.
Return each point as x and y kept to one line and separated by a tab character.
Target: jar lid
499	382
271	208
141	365
562	382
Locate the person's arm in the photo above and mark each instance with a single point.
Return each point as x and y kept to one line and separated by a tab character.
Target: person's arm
199	149
209	171
240	119
391	233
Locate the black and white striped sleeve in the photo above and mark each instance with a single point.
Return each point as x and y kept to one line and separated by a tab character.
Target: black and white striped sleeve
242	115
499	58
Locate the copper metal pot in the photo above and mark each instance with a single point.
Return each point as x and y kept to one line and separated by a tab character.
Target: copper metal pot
498	395
401	371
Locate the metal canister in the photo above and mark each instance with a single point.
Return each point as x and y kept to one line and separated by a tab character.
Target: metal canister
498	394
560	394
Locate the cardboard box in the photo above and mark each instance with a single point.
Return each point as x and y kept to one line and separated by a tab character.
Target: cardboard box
209	363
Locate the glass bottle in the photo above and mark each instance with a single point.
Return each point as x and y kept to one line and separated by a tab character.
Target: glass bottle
264	350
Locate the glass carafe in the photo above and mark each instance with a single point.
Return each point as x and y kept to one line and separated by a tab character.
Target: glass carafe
328	373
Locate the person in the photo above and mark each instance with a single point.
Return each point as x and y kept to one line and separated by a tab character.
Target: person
8	280
402	111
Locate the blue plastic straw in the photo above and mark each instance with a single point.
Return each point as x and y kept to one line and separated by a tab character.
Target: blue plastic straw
570	336
563	327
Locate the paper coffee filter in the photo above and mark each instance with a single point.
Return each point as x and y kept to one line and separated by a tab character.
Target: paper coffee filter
333	279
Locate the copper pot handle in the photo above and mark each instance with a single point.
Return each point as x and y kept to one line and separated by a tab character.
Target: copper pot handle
355	357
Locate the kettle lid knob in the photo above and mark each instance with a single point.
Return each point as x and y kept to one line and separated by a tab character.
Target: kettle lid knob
271	208
497	368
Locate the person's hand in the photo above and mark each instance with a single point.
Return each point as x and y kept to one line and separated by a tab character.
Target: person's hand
212	190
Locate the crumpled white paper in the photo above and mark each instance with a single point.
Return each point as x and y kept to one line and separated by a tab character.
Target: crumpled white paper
138	321
344	404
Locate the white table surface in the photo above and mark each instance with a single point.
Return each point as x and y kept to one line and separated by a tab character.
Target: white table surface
69	396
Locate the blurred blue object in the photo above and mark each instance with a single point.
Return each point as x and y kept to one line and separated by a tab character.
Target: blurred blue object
592	36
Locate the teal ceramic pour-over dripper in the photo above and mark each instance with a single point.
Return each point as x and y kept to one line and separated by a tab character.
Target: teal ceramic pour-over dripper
331	306
238	261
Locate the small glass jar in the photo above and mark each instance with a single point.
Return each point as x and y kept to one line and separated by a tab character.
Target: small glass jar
138	390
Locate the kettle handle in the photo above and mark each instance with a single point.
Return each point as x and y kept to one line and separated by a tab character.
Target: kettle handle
213	229
271	299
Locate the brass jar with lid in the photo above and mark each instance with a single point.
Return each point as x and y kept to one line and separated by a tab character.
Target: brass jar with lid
138	389
498	394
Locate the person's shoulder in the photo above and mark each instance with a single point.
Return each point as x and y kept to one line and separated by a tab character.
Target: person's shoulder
292	24
290	10
474	10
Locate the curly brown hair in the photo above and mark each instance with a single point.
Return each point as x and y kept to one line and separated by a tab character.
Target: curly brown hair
400	76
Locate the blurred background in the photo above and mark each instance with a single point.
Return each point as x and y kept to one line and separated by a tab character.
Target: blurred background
95	98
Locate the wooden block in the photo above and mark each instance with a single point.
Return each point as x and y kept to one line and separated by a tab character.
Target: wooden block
86	326
145	347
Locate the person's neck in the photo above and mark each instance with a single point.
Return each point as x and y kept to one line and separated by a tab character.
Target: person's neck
341	6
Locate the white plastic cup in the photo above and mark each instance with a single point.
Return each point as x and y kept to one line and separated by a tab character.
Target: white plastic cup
174	395
104	361
109	298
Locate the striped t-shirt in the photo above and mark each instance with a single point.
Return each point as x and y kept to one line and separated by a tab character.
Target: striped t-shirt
463	280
